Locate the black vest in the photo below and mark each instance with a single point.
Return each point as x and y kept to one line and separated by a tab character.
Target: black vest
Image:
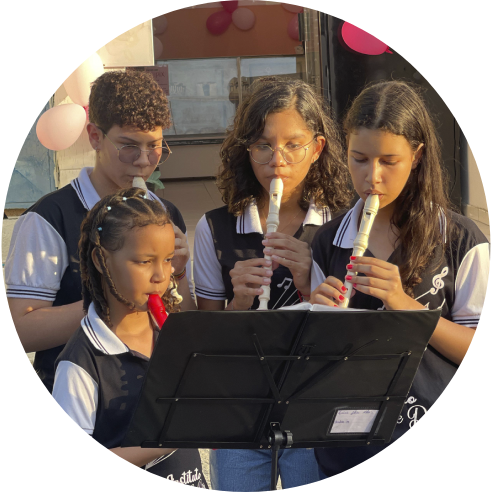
231	247
64	211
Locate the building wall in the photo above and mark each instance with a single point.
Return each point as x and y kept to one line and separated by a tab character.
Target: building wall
267	37
473	194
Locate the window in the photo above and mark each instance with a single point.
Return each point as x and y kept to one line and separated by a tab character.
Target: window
204	93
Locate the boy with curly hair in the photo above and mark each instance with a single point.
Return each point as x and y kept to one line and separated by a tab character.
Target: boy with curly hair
127	113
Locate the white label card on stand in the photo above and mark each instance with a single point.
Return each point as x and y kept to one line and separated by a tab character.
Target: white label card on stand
353	421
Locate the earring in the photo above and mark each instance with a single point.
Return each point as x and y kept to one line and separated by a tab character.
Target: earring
173	285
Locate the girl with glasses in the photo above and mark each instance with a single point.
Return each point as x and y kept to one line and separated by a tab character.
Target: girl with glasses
283	129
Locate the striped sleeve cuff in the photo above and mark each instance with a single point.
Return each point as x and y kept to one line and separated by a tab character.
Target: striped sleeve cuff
470	321
27	292
209	294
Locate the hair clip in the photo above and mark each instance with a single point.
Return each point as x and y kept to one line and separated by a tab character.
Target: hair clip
99	228
143	196
109	208
124	198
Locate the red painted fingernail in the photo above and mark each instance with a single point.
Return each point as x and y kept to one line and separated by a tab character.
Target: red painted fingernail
344	289
348	277
353	257
355	285
335	305
349	267
341	298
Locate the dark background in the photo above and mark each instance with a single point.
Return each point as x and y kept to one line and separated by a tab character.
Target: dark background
345	73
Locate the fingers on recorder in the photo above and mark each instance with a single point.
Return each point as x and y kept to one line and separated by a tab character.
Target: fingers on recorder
330	293
247	278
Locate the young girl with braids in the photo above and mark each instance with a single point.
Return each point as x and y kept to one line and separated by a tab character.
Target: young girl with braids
126	248
420	254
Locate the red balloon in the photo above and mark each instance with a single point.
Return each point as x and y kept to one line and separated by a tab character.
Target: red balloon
229	6
293	28
361	41
218	22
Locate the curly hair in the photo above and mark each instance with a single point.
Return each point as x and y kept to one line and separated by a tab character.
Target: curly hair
398	108
327	181
128	99
103	228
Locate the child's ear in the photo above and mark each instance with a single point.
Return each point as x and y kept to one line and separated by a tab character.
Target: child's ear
320	144
95	260
95	136
417	155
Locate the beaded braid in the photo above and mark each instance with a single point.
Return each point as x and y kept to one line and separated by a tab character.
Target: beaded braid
104	227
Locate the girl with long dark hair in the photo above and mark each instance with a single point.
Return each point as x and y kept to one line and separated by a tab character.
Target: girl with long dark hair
420	254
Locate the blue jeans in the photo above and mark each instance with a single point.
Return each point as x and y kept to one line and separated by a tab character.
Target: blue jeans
245	470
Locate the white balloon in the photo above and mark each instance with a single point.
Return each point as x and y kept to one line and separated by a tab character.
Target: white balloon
78	85
159	24
243	19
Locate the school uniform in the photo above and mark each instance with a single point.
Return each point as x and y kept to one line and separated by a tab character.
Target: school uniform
221	239
456	285
97	382
43	261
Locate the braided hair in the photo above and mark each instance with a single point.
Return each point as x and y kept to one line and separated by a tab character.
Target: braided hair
105	227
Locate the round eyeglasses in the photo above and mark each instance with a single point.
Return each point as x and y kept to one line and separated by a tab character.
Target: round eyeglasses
128	154
292	153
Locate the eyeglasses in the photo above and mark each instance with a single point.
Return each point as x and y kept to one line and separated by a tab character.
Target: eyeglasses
292	153
128	154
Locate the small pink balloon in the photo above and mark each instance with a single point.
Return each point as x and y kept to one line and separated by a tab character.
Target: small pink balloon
218	22
159	24
243	19
293	28
292	8
158	47
229	6
61	126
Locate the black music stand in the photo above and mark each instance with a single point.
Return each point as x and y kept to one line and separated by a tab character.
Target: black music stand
279	379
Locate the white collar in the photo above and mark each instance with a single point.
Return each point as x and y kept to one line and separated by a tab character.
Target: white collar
349	227
87	193
100	335
250	222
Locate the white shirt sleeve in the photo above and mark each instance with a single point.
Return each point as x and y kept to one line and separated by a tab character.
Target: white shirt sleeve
189	273
73	415
471	286
36	260
207	271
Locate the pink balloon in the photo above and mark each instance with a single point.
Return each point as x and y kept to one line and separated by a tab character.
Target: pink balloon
159	24
229	6
292	8
293	28
361	41
157	48
243	19
61	126
218	22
